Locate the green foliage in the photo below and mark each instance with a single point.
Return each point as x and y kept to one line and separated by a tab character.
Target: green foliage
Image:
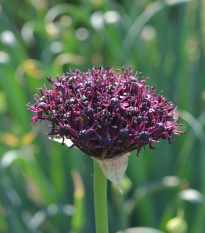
44	188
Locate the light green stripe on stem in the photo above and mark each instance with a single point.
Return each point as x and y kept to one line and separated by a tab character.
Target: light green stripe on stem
100	200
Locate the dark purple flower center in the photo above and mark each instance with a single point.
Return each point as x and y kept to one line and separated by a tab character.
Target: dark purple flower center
144	136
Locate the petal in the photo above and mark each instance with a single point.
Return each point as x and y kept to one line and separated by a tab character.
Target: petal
114	168
68	142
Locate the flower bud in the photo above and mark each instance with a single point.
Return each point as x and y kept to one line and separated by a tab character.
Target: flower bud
177	224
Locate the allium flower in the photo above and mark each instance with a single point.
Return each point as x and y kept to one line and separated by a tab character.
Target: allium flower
105	114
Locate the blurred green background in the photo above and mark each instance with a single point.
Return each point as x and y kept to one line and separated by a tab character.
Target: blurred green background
44	188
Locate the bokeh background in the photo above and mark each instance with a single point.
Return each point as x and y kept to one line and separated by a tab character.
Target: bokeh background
46	189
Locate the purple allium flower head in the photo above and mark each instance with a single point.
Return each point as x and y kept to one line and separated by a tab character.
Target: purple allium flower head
105	113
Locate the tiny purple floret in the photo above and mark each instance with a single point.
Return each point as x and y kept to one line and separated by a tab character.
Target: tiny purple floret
105	113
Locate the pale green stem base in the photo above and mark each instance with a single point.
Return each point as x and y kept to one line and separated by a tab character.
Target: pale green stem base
100	200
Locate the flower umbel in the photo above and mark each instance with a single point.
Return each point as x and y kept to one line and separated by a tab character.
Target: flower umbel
105	113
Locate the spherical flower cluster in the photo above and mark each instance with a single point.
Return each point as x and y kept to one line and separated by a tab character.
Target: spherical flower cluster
105	113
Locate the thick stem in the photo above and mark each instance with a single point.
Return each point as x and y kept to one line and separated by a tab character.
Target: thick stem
100	198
